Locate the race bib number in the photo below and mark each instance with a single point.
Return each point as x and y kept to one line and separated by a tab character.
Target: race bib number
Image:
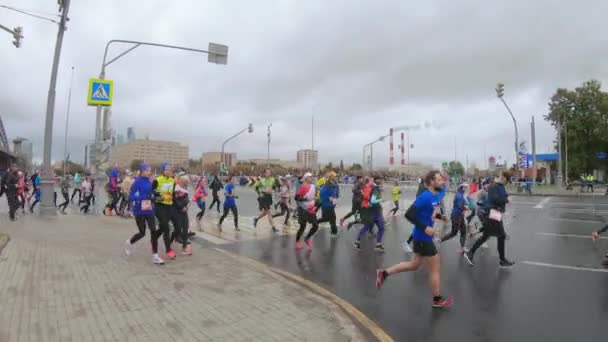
146	205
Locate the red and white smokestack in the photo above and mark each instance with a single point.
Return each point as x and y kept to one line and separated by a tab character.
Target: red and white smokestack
402	148
391	160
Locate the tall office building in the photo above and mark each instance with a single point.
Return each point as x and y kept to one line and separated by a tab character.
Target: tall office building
23	148
130	134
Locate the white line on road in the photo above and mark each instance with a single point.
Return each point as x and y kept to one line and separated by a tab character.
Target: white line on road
574	268
570	235
542	203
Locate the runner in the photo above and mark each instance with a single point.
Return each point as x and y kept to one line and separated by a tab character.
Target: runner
458	221
305	198
596	236
396	192
112	190
77	186
65	192
200	194
371	213
142	197
472	201
284	202
422	215
407	244
356	203
264	189
329	194
229	205
36	193
87	195
494	226
163	187
8	187
21	190
215	186
125	190
180	202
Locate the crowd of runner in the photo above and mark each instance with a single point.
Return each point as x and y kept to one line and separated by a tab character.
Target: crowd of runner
160	205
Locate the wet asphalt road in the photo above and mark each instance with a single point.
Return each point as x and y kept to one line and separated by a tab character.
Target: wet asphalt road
557	291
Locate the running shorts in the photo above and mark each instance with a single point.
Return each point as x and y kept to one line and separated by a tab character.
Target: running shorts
425	248
266	202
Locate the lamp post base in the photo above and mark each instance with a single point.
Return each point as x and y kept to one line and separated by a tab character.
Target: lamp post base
47	202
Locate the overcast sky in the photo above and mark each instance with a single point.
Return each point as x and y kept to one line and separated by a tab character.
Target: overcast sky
360	67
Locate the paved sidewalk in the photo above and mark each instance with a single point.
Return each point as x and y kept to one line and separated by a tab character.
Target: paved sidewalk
67	279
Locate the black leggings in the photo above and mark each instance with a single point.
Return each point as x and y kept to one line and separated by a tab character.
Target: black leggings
201	206
181	229
458	225
216	200
492	228
471	215
284	211
396	208
66	200
86	199
141	222
235	214
166	213
74	194
305	217
328	214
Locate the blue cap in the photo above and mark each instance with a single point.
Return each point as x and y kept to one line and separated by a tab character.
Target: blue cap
164	166
144	166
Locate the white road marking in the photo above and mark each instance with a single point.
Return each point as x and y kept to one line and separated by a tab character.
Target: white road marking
570	235
212	239
542	203
573	268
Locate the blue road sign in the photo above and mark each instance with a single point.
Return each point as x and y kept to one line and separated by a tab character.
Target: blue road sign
100	92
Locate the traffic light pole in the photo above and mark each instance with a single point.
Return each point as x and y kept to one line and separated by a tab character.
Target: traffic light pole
47	206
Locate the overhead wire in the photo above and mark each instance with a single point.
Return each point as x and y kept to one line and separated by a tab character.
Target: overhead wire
28	13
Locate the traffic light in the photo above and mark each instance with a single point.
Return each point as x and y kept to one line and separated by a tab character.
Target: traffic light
500	90
18	35
250	128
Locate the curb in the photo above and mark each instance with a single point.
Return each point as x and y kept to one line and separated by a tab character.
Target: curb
355	314
4	239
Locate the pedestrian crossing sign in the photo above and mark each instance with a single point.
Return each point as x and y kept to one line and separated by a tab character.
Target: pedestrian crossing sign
100	92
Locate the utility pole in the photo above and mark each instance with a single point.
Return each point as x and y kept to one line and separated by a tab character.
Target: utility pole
67	120
534	166
500	93
47	207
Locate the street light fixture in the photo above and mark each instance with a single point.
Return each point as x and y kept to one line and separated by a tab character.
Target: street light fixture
500	93
371	151
217	54
249	129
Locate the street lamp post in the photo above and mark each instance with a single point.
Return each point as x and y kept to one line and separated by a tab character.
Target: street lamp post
216	53
67	120
268	155
47	207
249	129
371	154
500	92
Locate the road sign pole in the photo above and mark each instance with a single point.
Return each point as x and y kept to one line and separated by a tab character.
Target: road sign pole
47	206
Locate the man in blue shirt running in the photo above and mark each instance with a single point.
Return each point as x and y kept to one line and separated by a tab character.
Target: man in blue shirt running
423	213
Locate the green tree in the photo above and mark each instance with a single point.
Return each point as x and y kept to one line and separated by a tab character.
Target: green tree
582	116
355	167
455	169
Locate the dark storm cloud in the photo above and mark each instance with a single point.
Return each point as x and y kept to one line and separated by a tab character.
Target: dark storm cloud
359	67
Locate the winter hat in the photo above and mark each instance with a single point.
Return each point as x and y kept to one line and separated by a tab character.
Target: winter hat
144	166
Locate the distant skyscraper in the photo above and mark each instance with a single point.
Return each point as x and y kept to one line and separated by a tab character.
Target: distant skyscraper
120	139
22	147
130	134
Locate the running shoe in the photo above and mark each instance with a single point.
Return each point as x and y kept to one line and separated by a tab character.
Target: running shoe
187	250
357	244
379	248
469	258
255	222
128	248
191	234
341	222
275	230
406	247
308	243
171	255
336	235
157	260
299	245
466	249
237	229
443	303
380	279
506	263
